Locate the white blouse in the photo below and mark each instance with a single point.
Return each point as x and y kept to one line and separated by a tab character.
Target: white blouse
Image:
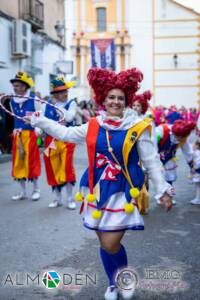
145	147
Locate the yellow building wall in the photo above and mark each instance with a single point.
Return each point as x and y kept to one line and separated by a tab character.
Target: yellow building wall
123	14
79	17
91	17
84	38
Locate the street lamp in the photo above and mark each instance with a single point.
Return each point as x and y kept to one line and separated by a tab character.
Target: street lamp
175	59
60	30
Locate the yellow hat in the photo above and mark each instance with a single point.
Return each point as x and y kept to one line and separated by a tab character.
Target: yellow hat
23	77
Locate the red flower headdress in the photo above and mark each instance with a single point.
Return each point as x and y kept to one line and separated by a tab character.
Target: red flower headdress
143	100
182	128
103	80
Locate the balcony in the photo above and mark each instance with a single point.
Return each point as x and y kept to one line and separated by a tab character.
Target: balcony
32	11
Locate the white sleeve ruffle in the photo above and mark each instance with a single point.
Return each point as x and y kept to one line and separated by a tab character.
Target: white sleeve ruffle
151	162
187	151
69	114
75	134
39	106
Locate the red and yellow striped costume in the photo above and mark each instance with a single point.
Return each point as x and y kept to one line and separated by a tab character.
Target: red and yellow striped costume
59	162
26	155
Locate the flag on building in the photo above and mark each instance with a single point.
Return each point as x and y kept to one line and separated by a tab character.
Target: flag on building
103	53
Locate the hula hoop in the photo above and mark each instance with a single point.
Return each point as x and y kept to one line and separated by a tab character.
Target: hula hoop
28	97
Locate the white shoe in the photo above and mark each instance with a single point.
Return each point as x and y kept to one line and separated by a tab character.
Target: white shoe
127	294
195	201
55	203
111	293
158	201
20	196
35	195
173	202
71	204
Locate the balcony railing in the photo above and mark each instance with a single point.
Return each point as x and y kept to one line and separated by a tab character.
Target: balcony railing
33	12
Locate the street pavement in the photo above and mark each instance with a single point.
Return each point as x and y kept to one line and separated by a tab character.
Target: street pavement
35	239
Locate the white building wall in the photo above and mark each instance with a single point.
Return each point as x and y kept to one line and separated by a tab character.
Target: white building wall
166	9
46	61
166	74
166	61
175	84
11	65
70	28
141	37
44	57
178	96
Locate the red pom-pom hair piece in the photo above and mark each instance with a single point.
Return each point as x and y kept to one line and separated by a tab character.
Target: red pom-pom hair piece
129	82
182	128
143	100
103	80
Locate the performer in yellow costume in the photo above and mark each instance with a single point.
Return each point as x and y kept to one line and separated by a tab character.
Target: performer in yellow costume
26	156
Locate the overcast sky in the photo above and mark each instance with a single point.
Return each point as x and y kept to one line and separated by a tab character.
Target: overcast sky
195	4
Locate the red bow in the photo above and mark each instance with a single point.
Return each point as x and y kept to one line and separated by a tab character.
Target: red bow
111	170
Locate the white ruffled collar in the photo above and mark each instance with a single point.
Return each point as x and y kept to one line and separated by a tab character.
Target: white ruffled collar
61	104
21	99
129	119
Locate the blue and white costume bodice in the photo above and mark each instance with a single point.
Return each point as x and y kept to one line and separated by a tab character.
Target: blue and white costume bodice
23	109
53	114
168	150
106	172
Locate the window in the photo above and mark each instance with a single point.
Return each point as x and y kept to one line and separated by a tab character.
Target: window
101	19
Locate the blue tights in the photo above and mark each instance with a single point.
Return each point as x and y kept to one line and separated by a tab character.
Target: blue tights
113	262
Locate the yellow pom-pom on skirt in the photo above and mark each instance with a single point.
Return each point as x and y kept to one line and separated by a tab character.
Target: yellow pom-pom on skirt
79	197
96	214
134	193
129	208
91	198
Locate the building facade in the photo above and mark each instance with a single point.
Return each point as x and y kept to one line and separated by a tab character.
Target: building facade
30	42
98	35
176	50
160	37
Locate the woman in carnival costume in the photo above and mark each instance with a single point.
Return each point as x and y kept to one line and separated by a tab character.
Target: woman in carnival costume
141	106
116	140
170	138
25	152
141	103
58	155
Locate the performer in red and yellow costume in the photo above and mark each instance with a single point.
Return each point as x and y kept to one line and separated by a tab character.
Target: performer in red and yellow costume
116	140
58	155
26	156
